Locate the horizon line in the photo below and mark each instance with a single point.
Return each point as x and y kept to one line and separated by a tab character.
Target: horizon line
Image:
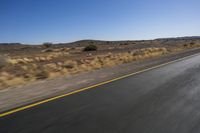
64	42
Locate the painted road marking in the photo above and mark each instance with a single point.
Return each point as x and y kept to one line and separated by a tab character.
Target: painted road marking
90	87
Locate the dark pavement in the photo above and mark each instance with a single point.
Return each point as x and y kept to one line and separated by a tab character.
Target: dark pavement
163	100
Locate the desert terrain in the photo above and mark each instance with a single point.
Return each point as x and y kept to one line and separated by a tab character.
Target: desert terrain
22	64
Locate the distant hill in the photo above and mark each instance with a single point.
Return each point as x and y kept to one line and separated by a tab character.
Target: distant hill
180	38
100	42
10	44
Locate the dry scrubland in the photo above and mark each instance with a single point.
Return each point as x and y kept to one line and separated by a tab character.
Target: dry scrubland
22	64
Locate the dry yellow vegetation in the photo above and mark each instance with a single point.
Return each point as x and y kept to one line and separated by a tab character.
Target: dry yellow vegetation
30	71
49	64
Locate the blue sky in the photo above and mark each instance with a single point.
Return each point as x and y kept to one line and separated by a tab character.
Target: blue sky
38	21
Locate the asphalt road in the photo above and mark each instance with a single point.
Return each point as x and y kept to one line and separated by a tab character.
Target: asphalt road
162	100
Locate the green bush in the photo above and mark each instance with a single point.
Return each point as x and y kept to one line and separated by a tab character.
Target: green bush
90	47
47	44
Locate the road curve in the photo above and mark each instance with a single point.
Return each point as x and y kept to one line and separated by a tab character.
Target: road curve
162	100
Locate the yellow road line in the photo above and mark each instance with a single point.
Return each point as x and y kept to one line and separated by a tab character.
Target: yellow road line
90	87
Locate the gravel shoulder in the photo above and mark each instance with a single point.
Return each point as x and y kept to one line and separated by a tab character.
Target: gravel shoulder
14	97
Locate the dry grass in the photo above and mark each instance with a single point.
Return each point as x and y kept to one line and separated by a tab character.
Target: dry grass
53	64
3	62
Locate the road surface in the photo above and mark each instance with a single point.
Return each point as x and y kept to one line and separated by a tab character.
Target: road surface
162	100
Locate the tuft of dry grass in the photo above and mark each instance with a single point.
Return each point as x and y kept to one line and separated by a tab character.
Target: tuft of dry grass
70	64
15	81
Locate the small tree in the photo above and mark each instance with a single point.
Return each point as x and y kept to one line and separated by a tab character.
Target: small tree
91	47
47	44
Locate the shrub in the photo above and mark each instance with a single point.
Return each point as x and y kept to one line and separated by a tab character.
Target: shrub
47	44
41	74
192	43
90	47
70	64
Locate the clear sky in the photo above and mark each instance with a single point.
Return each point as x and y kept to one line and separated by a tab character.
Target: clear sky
38	21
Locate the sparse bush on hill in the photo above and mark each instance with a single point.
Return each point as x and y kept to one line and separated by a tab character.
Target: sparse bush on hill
91	47
47	44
